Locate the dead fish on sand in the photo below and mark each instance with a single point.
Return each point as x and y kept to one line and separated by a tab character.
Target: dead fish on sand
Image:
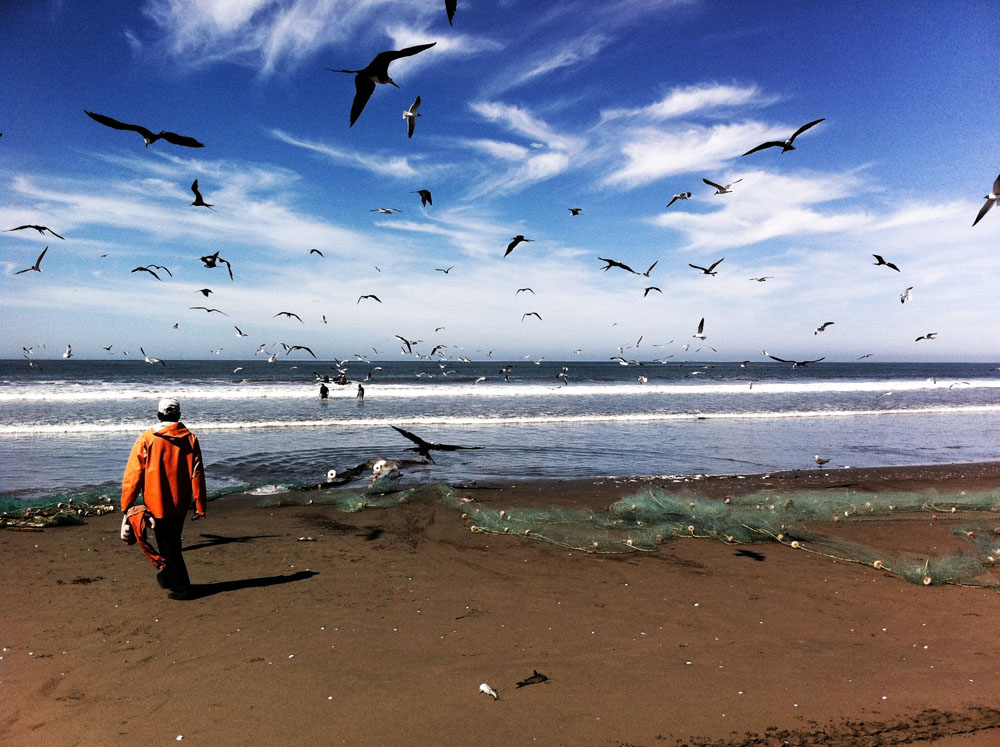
534	679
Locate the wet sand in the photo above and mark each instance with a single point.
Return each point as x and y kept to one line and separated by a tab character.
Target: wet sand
381	629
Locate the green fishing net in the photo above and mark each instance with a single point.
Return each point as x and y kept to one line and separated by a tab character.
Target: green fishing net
651	517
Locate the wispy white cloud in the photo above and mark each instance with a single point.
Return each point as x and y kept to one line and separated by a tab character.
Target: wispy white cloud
395	166
548	154
764	206
652	153
691	100
567	54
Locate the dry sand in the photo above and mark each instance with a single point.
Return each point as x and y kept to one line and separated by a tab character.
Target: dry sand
381	629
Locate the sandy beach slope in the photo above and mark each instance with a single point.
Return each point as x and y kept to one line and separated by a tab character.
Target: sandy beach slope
380	630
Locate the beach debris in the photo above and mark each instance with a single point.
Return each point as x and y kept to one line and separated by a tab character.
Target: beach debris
484	688
536	678
307	539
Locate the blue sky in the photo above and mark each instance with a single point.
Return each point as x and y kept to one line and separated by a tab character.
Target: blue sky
612	107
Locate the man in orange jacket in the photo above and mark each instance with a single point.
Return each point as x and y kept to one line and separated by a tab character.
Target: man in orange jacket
165	466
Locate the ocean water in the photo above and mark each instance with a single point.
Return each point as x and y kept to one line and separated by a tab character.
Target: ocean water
66	428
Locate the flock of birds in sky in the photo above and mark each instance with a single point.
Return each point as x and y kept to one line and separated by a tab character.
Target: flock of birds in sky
366	80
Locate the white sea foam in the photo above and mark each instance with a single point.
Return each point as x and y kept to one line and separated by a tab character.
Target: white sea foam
77	428
101	392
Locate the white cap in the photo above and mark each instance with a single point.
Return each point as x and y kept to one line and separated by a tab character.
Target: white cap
169	406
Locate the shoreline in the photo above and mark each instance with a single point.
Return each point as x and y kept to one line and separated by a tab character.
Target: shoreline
377	627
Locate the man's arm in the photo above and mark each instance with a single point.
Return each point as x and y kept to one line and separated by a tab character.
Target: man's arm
133	480
198	489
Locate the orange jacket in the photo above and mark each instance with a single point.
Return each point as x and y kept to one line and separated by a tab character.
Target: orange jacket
165	466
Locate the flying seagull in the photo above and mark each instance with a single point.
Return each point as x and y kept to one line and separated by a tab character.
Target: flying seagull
514	242
425	196
289	314
445	270
821	327
290	348
700	334
449	8
206	292
385	211
795	364
651	288
424	448
646	273
710	270
520	290
369	295
69	352
616	263
409	343
906	295
880	261
199	201
928	336
240	332
37	267
992	198
410	115
681	196
376	71
208	310
785	145
316	251
213	260
719	189
574	211
40	229
531	313
151	272
762	278
147	135
150	360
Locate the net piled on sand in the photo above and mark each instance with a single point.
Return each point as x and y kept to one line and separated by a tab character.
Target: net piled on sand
651	517
60	513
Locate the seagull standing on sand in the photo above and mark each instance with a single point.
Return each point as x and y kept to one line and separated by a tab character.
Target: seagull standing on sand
820	461
787	144
410	115
991	199
376	71
37	267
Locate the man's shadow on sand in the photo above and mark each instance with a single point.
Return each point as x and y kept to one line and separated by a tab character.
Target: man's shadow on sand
206	590
213	540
